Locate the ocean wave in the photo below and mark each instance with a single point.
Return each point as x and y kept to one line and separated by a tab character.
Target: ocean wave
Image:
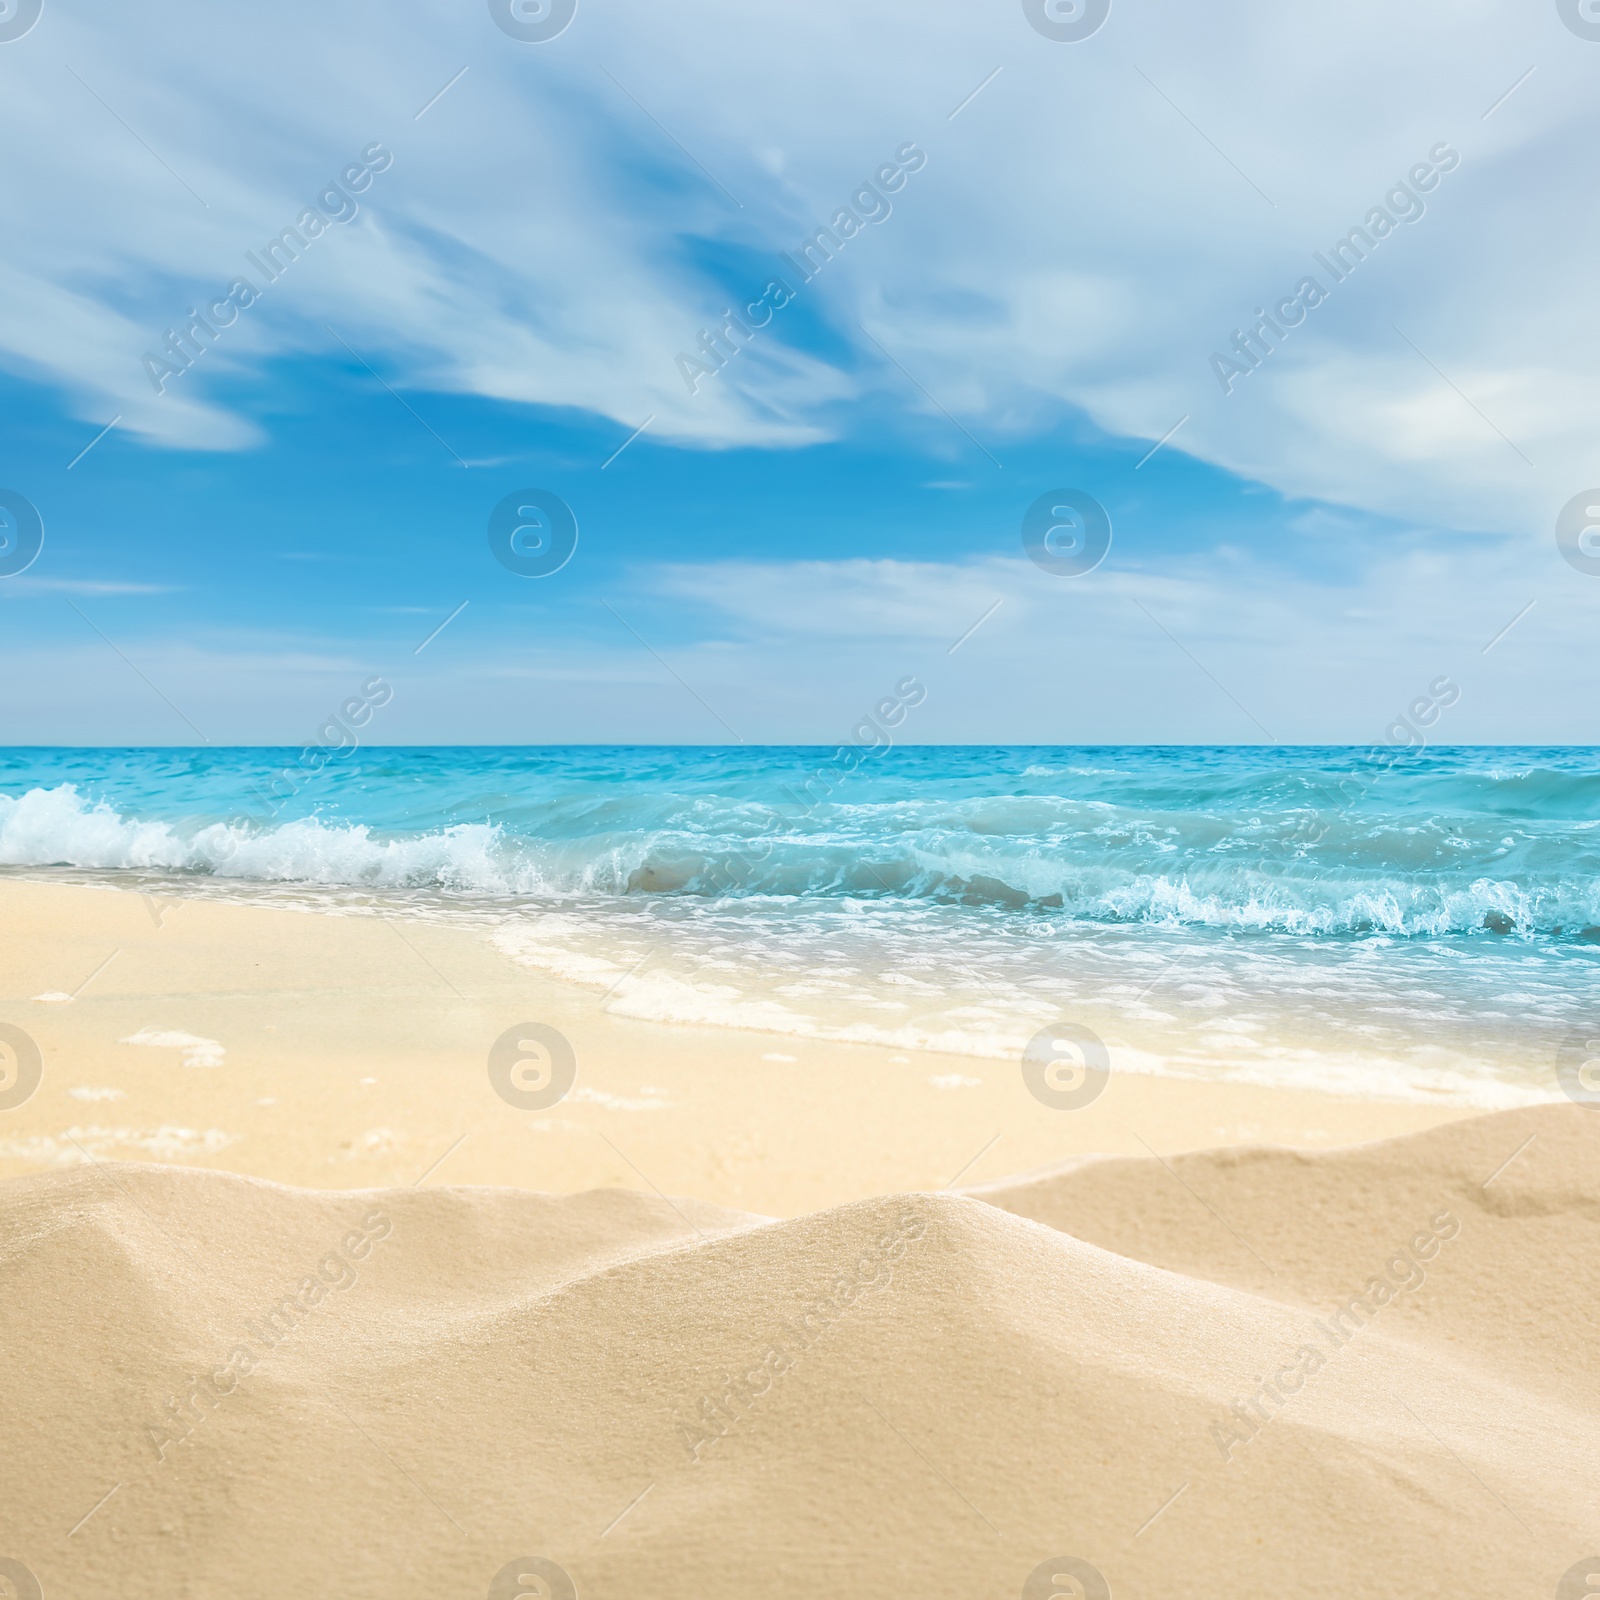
1035	855
58	827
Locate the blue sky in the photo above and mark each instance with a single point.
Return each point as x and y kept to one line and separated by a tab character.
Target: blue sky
529	261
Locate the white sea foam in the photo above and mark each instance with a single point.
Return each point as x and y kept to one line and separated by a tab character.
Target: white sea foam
621	1102
57	827
78	1146
1209	935
1380	1019
1086	860
197	1052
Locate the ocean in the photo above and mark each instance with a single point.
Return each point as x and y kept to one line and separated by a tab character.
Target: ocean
1420	924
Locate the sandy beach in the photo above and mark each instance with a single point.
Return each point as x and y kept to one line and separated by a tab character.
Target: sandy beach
350	1052
799	804
292	1298
1231	1362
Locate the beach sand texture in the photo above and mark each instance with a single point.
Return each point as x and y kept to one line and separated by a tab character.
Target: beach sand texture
215	1384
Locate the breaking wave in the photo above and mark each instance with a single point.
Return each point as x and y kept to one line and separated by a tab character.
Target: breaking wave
1290	870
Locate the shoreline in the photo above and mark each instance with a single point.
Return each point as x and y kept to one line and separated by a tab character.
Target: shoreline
341	1052
1147	1334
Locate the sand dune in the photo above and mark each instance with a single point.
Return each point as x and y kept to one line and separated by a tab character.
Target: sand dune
489	1392
1514	1293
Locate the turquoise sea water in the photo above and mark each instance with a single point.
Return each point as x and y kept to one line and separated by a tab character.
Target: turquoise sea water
1413	923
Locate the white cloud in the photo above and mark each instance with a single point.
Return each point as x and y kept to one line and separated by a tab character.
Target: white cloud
1086	231
1204	650
863	599
26	585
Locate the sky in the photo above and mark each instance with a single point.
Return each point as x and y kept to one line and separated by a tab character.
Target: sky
1060	223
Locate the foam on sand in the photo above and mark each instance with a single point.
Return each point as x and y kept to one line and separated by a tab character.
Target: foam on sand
411	1391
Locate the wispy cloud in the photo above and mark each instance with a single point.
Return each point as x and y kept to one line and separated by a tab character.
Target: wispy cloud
1110	297
27	584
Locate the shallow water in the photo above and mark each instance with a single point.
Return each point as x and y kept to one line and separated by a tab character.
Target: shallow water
1414	924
